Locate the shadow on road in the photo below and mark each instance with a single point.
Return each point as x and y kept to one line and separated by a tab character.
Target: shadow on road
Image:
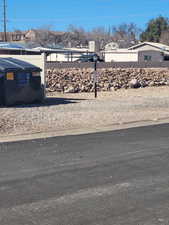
49	101
60	101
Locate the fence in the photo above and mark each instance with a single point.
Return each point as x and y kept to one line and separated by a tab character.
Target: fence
80	65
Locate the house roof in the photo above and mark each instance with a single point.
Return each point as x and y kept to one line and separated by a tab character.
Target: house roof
120	50
36	31
16	47
111	46
61	50
10	45
159	46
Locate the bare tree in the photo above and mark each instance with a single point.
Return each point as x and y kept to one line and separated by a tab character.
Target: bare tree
45	37
126	34
75	37
101	35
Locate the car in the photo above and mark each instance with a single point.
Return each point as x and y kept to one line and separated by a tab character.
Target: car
89	58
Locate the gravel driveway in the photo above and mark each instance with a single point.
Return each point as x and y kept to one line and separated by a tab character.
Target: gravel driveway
72	111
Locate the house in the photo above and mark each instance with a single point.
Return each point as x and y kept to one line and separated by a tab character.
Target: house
16	36
120	55
111	46
30	35
63	54
143	52
150	49
150	46
34	34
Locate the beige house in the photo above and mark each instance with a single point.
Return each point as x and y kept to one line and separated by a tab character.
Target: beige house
150	55
145	46
34	34
16	36
30	35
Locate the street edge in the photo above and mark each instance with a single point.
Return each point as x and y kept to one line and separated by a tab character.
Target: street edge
80	131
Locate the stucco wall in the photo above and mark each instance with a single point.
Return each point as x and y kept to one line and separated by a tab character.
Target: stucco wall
121	56
156	56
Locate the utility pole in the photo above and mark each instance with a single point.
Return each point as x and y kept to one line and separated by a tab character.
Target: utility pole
4	20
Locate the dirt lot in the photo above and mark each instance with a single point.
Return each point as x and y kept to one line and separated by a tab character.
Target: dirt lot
72	111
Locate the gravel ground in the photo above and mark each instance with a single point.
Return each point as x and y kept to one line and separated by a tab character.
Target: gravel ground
71	111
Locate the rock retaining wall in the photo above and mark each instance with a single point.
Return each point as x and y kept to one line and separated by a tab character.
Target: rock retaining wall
81	80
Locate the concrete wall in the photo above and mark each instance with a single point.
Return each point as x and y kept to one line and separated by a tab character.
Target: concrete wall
115	56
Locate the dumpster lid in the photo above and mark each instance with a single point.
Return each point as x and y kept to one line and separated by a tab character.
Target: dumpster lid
8	64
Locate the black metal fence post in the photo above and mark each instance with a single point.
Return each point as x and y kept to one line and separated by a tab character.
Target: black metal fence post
95	76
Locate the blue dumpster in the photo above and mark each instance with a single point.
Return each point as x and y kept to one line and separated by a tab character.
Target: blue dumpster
20	82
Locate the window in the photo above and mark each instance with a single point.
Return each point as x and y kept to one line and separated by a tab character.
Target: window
147	57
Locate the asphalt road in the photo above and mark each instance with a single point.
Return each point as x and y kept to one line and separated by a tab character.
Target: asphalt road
110	178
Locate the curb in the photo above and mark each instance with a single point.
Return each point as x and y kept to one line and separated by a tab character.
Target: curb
80	131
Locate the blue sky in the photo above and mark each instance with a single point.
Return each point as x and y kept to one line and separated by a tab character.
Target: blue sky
27	14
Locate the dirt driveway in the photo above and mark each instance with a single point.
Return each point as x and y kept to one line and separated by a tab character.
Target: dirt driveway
64	112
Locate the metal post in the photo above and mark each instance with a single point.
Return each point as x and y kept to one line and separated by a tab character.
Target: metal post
95	58
95	78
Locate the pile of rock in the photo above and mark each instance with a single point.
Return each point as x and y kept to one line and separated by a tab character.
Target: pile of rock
81	80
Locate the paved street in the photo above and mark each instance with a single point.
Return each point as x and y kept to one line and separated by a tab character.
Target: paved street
111	178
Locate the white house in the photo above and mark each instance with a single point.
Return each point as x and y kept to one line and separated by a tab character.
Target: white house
120	55
146	51
111	46
63	54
